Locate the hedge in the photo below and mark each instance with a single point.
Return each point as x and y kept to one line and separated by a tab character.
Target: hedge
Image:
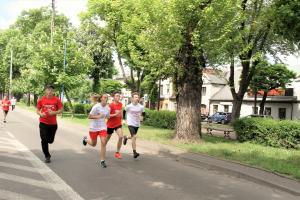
269	132
160	119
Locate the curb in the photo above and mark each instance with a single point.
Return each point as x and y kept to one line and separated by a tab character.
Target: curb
202	161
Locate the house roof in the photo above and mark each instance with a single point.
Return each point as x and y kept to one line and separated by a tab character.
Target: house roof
223	94
215	79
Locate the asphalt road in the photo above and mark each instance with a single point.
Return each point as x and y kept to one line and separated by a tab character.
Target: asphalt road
74	173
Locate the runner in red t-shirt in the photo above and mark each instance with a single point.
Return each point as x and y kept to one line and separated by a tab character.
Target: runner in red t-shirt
114	123
5	103
47	108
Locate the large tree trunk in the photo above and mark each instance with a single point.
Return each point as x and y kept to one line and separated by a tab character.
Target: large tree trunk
262	103
188	115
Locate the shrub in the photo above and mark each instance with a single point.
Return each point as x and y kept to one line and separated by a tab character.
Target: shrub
79	108
269	132
66	107
87	108
160	119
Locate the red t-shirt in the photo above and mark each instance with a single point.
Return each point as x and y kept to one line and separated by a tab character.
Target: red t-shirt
45	104
116	121
5	104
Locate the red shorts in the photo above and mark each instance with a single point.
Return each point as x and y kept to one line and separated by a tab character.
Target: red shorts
94	134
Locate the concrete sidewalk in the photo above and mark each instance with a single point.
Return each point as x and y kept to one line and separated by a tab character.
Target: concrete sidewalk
230	168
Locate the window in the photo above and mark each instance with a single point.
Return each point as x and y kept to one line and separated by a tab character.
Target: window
255	110
215	108
168	88
161	90
203	91
268	111
226	108
282	113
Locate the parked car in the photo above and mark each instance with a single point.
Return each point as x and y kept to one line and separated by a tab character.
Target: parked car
259	116
220	117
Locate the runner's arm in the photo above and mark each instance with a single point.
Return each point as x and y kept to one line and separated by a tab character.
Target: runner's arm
51	113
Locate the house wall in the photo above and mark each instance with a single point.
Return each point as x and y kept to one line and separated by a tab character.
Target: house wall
247	108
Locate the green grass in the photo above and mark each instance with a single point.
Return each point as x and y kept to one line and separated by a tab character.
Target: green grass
284	161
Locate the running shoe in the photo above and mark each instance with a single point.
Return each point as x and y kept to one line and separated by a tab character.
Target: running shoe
47	159
135	155
103	164
125	140
84	140
118	155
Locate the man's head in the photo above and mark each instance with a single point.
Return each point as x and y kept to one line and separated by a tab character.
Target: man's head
116	96
135	97
49	90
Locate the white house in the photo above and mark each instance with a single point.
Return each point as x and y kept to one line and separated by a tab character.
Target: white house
216	96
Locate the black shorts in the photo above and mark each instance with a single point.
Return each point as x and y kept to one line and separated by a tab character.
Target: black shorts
133	130
111	130
5	111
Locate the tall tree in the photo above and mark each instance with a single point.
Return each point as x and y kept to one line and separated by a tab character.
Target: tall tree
123	28
180	42
252	39
268	77
92	38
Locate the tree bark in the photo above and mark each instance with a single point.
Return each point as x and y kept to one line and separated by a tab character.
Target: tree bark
96	80
35	99
158	95
255	102
28	98
188	115
262	103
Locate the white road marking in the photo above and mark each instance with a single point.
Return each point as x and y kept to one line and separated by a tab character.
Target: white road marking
9	155
22	167
8	195
28	181
52	179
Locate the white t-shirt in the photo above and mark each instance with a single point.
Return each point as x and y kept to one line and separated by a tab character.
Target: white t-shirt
13	102
99	124
133	114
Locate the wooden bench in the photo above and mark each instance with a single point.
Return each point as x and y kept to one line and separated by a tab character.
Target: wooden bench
226	131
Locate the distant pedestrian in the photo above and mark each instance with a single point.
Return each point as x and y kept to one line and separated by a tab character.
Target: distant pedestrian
13	103
100	112
47	108
5	103
134	113
114	123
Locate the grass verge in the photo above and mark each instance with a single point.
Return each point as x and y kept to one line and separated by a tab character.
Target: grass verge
284	161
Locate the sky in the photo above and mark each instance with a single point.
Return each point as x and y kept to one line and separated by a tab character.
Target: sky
11	9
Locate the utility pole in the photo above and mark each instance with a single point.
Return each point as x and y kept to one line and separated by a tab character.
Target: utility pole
65	65
52	21
10	73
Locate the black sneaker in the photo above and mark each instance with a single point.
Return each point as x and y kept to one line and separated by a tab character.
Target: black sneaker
4	121
135	155
47	159
84	140
103	164
125	140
